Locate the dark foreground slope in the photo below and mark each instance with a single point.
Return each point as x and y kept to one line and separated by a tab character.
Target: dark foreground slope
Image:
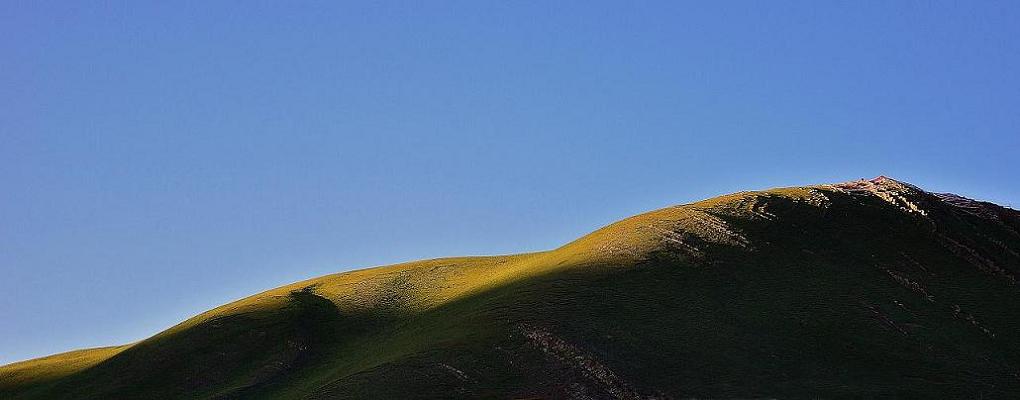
864	289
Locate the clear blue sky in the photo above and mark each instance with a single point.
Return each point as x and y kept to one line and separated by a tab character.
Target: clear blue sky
159	160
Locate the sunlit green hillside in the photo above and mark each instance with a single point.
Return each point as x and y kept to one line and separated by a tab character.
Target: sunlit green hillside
857	290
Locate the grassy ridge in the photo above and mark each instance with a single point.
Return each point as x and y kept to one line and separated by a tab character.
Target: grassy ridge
875	290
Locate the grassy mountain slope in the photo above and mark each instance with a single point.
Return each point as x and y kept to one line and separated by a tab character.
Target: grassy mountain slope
863	289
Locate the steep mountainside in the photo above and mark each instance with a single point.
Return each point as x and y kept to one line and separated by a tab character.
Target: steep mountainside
871	288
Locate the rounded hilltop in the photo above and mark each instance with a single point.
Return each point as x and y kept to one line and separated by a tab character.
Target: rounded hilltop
871	288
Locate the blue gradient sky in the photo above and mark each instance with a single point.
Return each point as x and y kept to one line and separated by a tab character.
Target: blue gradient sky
159	160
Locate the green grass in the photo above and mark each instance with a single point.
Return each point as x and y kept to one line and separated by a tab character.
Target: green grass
791	293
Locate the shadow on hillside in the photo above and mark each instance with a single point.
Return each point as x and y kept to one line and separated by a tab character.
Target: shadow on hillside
226	357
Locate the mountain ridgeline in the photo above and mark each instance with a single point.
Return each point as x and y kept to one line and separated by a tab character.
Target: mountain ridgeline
865	289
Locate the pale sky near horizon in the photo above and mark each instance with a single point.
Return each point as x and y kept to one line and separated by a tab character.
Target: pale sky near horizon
161	159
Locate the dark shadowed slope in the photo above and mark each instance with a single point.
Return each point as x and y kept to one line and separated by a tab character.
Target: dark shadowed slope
863	289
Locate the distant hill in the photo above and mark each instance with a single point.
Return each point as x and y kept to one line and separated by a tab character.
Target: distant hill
865	289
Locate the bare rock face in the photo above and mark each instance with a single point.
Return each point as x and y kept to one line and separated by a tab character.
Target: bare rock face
974	207
905	196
